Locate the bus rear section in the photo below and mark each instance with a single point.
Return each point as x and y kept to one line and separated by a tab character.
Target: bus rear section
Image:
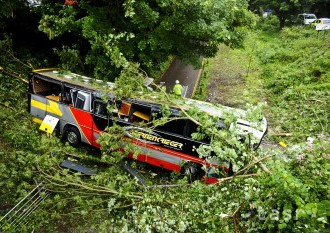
57	100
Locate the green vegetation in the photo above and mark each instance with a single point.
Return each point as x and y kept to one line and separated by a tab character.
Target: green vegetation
295	70
288	69
144	32
274	190
287	11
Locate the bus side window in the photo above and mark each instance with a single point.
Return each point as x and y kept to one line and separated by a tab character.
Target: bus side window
83	101
174	126
80	101
66	96
100	116
51	90
140	114
100	109
189	128
124	110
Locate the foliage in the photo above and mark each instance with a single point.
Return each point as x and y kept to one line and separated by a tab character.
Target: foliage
270	23
69	58
201	92
320	8
299	95
286	11
9	9
146	32
293	196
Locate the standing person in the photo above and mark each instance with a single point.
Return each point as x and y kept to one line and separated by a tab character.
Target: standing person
177	89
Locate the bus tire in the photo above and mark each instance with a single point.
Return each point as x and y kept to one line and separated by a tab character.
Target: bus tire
230	170
190	170
72	136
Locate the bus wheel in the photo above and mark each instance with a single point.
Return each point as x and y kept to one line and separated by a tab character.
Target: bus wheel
191	171
72	136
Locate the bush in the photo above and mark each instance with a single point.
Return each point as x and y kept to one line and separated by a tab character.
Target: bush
270	24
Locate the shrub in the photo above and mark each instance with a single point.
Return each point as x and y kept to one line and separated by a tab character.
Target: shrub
270	24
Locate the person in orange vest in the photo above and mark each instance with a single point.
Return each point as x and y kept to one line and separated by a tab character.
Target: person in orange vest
177	89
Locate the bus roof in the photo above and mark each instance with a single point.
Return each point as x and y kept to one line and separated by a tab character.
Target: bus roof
75	79
152	98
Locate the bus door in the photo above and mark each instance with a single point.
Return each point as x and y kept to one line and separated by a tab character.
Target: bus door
100	120
82	114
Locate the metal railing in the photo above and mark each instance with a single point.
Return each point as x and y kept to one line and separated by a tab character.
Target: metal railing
19	214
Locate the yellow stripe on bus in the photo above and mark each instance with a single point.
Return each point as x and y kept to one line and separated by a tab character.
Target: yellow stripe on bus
51	108
46	69
37	120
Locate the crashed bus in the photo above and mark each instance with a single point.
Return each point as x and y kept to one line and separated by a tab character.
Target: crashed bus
69	103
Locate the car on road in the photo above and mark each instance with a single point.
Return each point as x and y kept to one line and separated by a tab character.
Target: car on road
321	21
307	18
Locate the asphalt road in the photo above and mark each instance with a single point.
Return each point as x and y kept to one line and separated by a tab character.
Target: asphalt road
186	74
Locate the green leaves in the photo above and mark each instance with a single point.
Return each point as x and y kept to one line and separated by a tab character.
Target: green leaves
290	196
118	40
146	32
56	25
295	91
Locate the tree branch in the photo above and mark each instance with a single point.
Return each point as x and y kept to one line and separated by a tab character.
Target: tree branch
18	60
262	166
282	134
234	217
84	186
234	176
2	70
184	112
254	163
238	209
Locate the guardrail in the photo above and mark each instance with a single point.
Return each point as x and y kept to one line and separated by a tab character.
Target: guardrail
19	214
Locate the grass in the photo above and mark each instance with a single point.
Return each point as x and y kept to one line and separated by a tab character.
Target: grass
290	70
234	78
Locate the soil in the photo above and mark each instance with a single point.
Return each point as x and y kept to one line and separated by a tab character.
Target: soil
227	78
236	81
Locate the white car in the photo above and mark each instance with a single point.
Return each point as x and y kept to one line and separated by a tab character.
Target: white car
307	18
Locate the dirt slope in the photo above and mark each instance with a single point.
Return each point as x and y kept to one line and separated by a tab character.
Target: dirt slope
232	82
